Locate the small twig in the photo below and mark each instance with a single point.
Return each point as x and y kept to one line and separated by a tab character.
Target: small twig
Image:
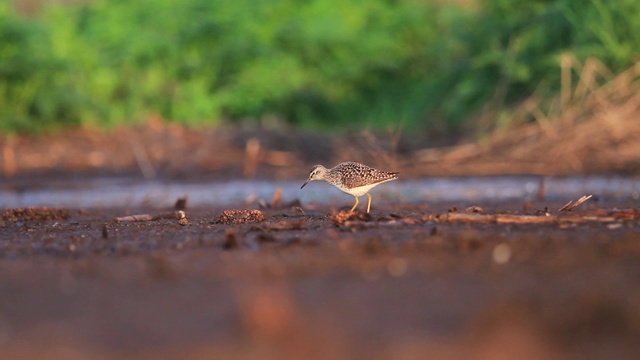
573	204
277	198
181	203
178	215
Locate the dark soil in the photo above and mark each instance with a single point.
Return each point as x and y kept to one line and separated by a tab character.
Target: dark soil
447	280
403	282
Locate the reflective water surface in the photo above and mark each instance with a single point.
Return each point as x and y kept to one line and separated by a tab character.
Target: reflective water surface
124	192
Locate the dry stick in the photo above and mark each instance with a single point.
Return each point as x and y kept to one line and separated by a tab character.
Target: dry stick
497	218
572	205
528	219
178	215
524	219
277	198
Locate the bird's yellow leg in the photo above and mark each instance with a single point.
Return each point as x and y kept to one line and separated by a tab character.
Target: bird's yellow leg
356	204
369	204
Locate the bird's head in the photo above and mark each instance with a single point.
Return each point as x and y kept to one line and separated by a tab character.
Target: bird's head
317	173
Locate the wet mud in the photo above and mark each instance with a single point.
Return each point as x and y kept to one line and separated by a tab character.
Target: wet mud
449	280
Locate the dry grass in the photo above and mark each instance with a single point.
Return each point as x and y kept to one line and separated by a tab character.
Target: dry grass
591	127
594	129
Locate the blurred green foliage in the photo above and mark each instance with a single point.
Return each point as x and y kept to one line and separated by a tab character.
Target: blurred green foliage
316	63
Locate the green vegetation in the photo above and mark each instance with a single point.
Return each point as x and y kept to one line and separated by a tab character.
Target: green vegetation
315	63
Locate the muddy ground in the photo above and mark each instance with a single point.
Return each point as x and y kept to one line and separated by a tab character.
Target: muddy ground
444	280
501	280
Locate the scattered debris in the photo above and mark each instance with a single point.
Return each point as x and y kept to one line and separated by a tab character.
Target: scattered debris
181	203
601	216
141	217
357	224
411	221
498	218
276	201
178	215
240	216
627	214
263	204
430	217
35	214
573	204
545	211
474	209
614	226
299	208
277	198
524	219
342	217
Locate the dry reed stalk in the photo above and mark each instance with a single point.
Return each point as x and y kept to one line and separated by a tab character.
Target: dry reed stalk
596	130
573	204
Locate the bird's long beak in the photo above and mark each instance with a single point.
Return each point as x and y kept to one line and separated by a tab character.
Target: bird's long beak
305	183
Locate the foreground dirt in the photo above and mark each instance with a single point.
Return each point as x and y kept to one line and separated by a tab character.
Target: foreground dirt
308	282
447	281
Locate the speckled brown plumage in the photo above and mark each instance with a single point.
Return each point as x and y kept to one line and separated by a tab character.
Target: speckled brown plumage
352	178
352	174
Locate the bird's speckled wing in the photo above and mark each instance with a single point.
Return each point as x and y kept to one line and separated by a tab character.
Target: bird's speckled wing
355	174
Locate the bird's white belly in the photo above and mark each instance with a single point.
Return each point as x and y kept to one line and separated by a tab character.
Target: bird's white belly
358	191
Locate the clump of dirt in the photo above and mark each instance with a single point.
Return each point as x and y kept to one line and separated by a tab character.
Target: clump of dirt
342	217
34	214
240	216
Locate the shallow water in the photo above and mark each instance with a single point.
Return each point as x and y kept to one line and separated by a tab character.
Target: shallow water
125	192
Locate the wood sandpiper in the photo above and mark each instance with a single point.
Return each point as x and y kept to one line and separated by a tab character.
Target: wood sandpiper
353	178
